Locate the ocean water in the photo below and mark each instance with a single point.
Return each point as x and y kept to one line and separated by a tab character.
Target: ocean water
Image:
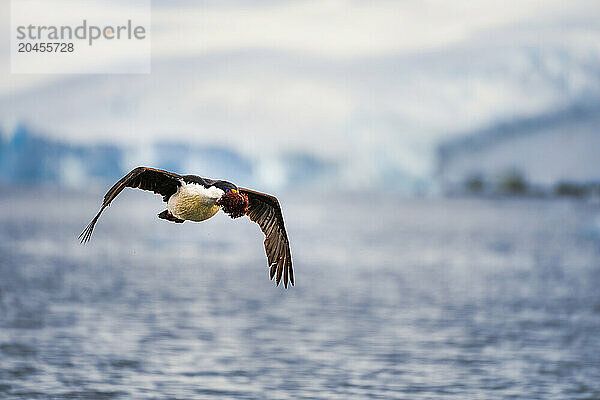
394	298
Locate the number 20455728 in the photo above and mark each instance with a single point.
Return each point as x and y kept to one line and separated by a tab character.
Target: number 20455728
56	47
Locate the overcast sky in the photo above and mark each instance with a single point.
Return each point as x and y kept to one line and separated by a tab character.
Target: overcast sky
332	28
339	78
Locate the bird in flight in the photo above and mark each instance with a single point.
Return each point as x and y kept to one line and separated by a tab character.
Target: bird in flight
193	198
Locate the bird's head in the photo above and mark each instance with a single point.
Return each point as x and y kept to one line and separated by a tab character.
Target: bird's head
233	203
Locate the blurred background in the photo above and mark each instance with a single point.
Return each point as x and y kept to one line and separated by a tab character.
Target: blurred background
438	164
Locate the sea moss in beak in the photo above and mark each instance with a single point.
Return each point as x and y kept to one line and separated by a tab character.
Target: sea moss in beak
234	204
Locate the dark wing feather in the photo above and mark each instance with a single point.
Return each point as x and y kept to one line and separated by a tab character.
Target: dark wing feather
198	180
266	212
156	180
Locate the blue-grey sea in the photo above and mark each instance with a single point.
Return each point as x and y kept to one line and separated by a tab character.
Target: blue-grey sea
394	299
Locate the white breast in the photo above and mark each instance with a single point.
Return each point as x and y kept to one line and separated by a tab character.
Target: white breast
194	202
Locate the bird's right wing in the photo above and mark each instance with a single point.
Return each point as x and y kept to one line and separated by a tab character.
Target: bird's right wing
156	180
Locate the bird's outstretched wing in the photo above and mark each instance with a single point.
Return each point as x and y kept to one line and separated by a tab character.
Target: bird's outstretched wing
266	212
156	180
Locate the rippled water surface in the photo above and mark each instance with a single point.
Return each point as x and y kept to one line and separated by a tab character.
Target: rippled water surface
394	299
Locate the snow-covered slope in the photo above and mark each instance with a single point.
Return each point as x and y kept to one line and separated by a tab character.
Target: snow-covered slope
558	146
371	120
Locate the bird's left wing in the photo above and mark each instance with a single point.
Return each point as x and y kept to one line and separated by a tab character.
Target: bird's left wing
145	178
265	210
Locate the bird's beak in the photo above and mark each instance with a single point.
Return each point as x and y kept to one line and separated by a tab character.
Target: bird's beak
234	190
